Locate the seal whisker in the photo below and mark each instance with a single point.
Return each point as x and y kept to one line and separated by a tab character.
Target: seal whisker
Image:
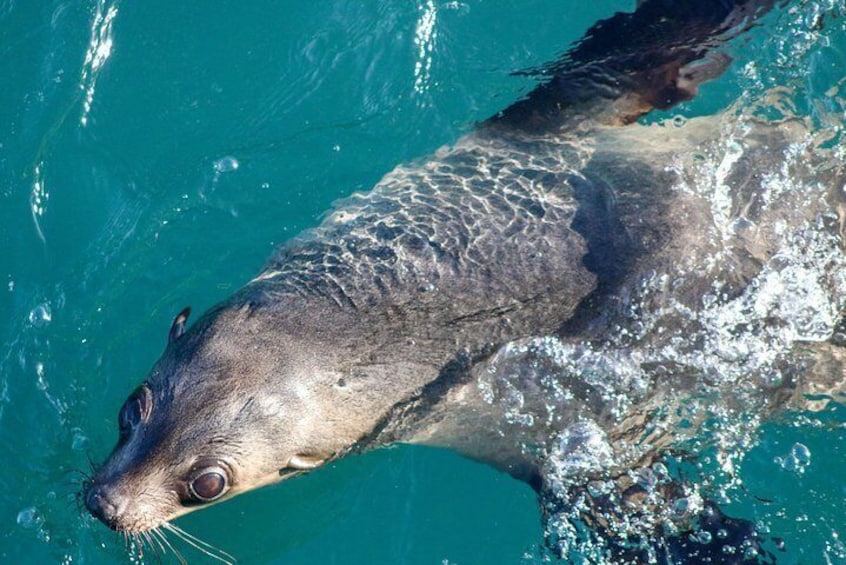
200	545
161	535
161	551
138	542
80	508
145	537
77	500
155	535
145	544
91	464
80	481
86	475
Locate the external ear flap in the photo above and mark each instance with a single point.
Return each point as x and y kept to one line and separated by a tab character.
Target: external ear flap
178	326
304	462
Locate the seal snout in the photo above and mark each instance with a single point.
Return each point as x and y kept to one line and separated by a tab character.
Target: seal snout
104	504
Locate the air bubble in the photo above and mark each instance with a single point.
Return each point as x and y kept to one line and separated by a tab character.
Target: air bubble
40	316
661	472
772	380
29	518
680	507
79	440
39	372
750	553
226	164
802	454
596	488
462	8
703	537
647	480
797	460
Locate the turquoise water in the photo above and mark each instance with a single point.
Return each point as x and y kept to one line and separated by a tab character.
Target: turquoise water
153	154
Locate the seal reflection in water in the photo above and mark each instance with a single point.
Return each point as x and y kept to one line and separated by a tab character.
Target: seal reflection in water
414	312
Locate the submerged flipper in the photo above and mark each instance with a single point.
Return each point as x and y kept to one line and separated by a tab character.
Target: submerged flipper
630	63
656	525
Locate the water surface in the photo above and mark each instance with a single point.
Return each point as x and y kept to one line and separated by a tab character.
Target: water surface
153	154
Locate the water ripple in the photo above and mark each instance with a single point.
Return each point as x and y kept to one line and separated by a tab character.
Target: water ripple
425	39
99	50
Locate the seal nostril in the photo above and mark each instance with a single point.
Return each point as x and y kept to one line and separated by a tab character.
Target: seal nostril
98	504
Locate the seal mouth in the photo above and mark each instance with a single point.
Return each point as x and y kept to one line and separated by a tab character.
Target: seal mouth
105	504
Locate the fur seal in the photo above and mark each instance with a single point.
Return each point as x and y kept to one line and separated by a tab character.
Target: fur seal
412	313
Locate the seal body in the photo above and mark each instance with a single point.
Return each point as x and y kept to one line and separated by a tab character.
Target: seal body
513	297
356	330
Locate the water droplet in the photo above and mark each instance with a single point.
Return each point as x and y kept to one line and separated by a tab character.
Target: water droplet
40	316
226	164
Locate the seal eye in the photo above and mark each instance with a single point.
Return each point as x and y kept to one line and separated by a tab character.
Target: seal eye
208	486
135	410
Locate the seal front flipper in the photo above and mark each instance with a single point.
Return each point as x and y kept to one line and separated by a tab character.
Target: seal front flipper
626	65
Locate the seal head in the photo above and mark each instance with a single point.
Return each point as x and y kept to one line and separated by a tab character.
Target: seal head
182	445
